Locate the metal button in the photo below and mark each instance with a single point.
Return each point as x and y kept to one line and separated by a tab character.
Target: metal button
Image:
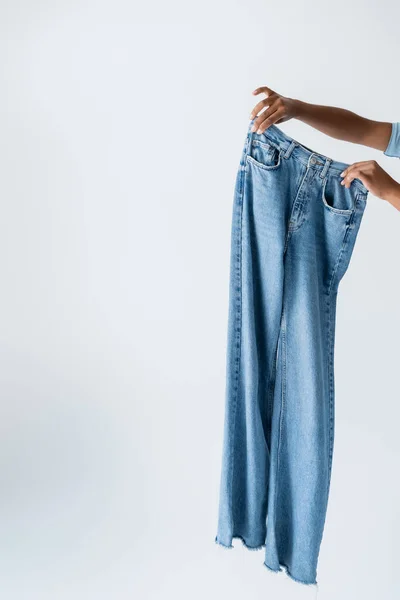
313	161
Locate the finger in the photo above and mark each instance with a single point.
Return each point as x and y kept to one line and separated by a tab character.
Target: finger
363	163
348	171
258	107
262	117
346	181
273	118
355	173
263	90
361	170
363	177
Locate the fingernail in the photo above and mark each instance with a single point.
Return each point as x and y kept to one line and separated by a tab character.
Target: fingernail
342	174
259	131
253	129
342	182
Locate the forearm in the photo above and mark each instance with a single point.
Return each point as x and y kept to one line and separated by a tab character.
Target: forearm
340	124
344	125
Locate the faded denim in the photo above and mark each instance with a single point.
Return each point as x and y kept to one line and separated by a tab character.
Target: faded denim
294	227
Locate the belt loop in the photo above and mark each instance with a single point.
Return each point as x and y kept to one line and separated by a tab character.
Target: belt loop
326	167
290	149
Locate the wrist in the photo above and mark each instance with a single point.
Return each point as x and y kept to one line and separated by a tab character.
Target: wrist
297	108
393	195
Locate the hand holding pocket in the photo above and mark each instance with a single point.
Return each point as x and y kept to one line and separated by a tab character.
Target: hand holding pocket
375	179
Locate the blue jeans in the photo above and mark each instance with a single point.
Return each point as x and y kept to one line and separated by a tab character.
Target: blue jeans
294	228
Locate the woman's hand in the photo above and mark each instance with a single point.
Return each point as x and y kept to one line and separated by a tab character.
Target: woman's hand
375	179
277	109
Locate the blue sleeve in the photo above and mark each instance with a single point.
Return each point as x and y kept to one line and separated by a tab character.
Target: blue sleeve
393	148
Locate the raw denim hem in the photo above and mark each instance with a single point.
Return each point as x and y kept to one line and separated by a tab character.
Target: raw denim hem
285	568
245	544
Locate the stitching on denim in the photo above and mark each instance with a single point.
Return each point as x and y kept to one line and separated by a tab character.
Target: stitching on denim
271	139
331	393
334	172
295	205
271	387
289	149
270	149
331	342
346	236
238	321
330	354
342	249
331	338
261	165
325	168
346	212
266	145
301	213
282	332
277	136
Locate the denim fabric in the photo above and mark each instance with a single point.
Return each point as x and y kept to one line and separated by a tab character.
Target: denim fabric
293	231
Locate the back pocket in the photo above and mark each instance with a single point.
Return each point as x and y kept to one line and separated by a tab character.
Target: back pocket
264	155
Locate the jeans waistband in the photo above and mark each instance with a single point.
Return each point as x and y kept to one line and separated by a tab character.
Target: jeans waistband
291	147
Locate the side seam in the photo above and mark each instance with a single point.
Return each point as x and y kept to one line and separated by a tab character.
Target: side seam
238	316
282	349
331	392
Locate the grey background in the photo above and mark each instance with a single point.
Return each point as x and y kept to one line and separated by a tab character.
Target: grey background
121	130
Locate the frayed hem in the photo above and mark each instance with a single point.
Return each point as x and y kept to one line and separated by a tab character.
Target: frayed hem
286	570
223	545
245	544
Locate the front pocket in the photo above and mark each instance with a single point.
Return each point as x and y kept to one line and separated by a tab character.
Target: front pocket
336	197
264	155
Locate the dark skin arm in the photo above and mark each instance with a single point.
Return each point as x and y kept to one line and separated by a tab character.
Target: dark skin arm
337	123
